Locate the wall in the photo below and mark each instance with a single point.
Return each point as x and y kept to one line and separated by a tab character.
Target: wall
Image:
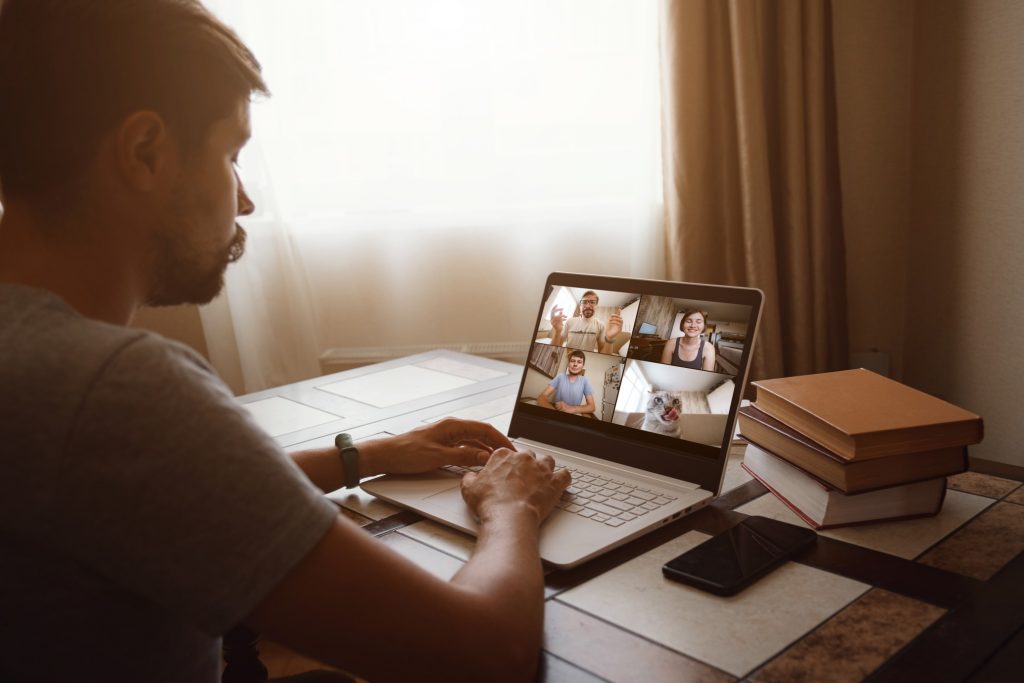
659	311
965	277
931	138
873	62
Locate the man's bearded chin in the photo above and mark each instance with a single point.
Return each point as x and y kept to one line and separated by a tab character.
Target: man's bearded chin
181	278
237	247
587	312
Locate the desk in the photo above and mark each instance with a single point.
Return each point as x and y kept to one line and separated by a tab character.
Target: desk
940	598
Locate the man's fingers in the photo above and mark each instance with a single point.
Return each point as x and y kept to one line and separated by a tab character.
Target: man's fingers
455	431
562	479
475	443
546	461
467	456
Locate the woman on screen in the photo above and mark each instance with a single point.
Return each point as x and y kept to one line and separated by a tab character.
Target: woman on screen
690	350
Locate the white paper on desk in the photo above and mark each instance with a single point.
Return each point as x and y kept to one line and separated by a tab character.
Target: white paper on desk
279	416
398	385
477	373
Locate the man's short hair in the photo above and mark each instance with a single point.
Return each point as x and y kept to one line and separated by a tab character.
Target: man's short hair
70	70
578	354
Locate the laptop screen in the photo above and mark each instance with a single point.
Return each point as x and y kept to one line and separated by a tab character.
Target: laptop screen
655	366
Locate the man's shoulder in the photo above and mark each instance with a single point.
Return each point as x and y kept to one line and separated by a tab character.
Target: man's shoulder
43	338
42	325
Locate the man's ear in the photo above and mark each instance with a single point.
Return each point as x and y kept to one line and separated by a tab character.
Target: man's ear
144	150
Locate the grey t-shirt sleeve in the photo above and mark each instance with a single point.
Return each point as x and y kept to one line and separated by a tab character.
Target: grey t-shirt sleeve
182	499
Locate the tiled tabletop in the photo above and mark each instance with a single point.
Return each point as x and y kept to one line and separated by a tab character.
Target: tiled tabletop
887	601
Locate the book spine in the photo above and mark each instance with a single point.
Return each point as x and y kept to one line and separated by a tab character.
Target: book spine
793	452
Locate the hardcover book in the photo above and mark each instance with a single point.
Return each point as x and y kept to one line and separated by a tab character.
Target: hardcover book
823	506
858	414
849	476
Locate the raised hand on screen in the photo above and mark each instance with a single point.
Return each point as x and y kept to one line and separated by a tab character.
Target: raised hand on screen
557	318
614	324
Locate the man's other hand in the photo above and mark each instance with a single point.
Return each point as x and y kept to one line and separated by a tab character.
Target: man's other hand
557	318
447	442
614	325
512	479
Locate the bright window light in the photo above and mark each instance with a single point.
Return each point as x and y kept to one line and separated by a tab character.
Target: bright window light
416	113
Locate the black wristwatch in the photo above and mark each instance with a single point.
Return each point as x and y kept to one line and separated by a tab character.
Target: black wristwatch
349	459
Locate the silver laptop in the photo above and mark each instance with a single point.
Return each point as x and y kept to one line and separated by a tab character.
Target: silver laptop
633	385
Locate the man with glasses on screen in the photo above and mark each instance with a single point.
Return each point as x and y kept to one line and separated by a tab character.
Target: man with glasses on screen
142	511
585	331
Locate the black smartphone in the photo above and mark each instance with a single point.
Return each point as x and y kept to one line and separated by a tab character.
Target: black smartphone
728	562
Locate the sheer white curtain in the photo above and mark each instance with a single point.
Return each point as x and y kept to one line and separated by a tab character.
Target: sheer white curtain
423	164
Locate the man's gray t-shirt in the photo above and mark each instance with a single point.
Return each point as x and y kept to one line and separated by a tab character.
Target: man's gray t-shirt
142	511
583	333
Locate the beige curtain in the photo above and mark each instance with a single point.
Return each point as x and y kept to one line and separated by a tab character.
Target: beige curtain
751	171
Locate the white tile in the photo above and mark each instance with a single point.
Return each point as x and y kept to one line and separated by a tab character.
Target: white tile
500	422
735	634
396	385
437	563
279	416
481	411
477	373
442	538
907	538
362	502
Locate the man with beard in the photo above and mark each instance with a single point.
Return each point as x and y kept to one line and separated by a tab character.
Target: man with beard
569	390
584	331
142	511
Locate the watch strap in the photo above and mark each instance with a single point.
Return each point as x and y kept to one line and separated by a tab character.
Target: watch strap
349	459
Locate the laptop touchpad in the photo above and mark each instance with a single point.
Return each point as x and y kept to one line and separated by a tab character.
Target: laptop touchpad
449	498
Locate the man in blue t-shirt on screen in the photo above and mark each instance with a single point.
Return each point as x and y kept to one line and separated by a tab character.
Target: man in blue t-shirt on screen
570	389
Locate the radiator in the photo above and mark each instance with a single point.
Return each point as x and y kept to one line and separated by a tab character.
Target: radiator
347	357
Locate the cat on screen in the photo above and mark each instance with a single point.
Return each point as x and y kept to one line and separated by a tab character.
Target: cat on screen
662	413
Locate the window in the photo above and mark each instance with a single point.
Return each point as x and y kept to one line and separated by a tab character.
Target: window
405	113
635	388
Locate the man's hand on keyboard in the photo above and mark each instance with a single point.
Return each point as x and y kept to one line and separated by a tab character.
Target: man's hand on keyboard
447	442
512	480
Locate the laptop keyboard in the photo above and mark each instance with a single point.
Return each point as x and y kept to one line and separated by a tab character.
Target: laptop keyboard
599	497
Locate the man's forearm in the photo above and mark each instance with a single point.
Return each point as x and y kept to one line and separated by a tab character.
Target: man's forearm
322	466
506	575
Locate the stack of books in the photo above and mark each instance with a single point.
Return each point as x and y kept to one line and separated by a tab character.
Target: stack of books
850	447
